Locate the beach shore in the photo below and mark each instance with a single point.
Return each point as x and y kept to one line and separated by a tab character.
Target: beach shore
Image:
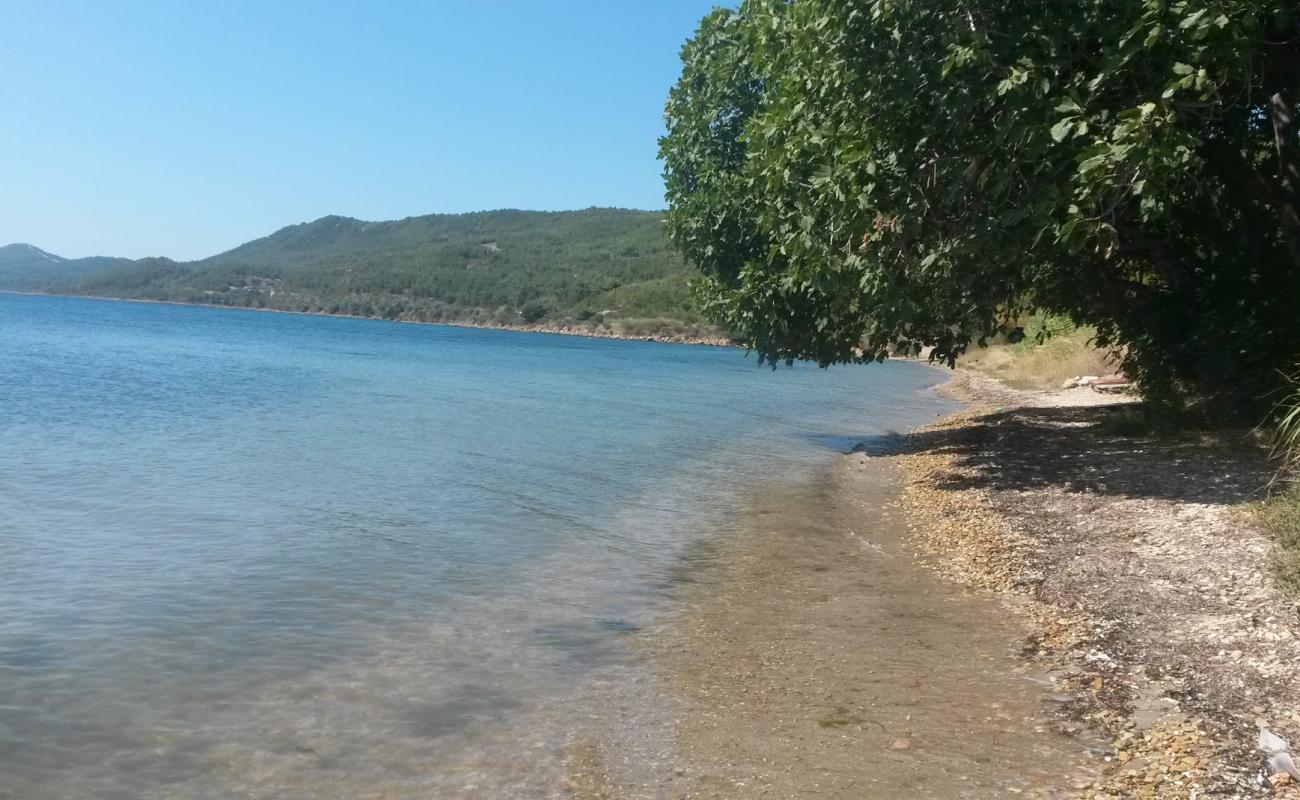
1150	586
1010	602
823	661
813	656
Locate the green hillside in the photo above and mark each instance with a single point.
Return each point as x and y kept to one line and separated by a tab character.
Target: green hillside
24	267
610	268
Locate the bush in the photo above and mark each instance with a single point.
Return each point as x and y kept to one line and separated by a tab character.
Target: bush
532	311
1286	426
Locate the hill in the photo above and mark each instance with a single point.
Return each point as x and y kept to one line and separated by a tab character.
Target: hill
610	270
25	267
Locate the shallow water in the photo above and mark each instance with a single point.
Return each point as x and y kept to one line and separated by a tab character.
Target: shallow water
822	660
269	555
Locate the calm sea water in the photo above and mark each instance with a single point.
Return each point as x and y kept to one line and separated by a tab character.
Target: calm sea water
248	554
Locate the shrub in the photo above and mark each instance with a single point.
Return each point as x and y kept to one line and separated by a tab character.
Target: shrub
532	311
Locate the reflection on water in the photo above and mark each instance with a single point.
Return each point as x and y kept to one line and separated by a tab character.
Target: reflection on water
261	555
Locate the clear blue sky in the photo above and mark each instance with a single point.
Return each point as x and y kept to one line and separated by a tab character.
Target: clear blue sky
185	128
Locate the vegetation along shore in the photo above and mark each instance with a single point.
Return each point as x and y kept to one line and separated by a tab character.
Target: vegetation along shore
664	332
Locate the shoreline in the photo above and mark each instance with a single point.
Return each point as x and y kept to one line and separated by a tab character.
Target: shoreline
813	656
1120	581
558	330
1150	587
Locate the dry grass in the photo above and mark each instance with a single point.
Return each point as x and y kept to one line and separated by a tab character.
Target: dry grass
1030	365
1279	516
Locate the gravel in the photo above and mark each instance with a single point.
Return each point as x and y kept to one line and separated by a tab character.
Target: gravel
1154	595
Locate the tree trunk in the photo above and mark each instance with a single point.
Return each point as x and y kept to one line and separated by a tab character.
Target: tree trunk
1288	171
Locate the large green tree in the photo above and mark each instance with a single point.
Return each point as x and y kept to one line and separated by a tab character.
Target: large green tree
855	176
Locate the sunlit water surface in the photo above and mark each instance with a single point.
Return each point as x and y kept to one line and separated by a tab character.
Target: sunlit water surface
248	554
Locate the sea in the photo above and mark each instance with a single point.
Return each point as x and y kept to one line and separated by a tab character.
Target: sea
249	554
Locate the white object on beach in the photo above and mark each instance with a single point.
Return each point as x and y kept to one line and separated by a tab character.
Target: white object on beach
1278	752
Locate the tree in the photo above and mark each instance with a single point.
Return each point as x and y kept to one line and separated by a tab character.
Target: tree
532	311
852	176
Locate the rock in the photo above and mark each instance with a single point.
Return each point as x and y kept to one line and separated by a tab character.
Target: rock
1278	752
1281	762
1270	743
901	744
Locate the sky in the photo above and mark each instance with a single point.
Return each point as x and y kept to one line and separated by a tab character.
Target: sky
183	129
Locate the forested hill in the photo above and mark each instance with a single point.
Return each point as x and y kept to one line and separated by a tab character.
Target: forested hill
609	268
24	267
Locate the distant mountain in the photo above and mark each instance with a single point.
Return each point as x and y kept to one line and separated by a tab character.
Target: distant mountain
596	268
22	254
24	267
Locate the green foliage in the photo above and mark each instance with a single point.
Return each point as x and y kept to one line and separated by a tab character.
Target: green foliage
150	274
853	176
23	267
1285	427
532	311
491	267
1041	327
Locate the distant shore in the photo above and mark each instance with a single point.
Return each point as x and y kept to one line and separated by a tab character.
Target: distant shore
559	330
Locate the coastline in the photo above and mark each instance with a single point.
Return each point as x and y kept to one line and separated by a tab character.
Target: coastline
558	330
813	656
1007	602
1150	588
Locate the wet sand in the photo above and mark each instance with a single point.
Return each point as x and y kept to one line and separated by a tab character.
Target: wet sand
816	658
